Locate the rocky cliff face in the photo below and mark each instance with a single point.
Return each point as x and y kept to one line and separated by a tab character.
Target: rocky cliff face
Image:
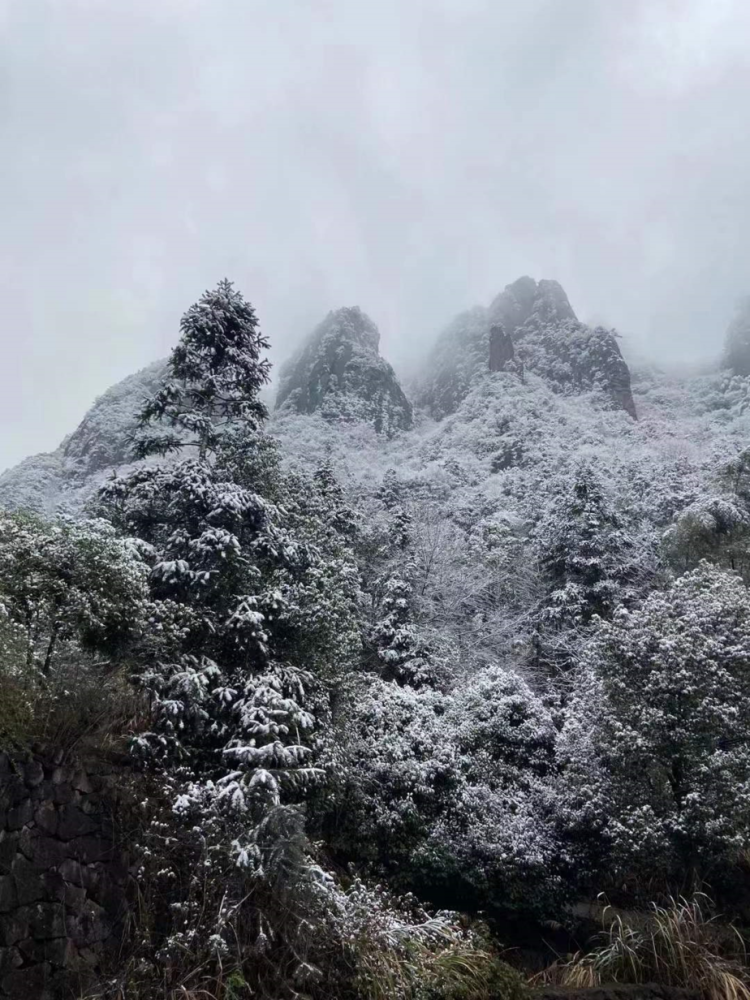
103	439
101	442
737	343
339	372
530	326
527	304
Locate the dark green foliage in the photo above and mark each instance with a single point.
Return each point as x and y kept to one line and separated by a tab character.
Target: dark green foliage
585	554
66	583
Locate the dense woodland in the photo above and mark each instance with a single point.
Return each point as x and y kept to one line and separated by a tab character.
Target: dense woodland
410	683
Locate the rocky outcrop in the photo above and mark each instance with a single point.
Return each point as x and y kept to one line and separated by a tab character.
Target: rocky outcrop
501	348
455	364
576	358
529	326
101	442
104	438
339	373
737	343
527	304
64	881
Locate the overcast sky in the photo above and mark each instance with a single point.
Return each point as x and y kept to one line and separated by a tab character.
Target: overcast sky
408	156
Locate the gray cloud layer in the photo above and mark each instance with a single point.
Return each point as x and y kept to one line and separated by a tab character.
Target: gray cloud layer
409	156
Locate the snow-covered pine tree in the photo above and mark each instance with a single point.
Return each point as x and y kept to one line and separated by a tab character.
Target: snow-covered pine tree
214	375
401	650
230	701
585	553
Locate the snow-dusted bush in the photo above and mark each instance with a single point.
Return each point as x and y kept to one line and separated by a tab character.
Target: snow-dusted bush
397	769
654	759
495	840
69	586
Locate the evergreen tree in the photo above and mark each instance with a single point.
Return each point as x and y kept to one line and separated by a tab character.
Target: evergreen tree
231	699
585	552
214	375
391	496
401	650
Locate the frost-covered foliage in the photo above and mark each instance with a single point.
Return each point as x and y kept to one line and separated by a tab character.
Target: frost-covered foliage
716	525
443	791
497	659
654	751
340	373
213	377
586	557
495	842
261	616
253	595
69	584
396	766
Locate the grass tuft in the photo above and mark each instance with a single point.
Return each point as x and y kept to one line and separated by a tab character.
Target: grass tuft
673	945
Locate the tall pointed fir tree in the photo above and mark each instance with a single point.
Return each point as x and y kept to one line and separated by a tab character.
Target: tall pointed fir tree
251	611
586	560
213	378
585	553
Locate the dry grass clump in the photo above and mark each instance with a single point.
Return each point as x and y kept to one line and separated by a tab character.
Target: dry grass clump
451	970
674	945
83	705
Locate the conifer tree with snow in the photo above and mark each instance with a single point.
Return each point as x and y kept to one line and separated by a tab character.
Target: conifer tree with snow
233	695
401	650
264	613
214	375
585	552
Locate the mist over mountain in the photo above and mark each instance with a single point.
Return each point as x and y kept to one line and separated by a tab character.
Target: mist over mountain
542	334
374	623
339	373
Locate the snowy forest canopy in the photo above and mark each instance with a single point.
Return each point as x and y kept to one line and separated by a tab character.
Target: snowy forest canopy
389	655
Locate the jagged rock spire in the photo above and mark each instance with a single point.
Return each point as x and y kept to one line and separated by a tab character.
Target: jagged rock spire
533	324
526	301
340	373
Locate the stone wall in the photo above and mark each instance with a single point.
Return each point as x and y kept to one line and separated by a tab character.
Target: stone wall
63	880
